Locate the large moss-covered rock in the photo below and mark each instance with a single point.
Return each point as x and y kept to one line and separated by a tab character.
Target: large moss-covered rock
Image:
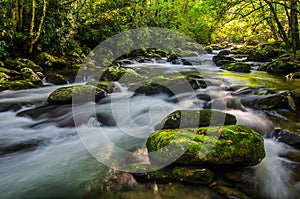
20	84
19	63
78	93
276	101
168	85
115	73
195	118
238	67
104	85
3	77
29	74
222	146
50	61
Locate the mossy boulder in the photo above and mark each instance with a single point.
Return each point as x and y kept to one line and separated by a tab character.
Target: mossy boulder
278	100
56	79
104	85
209	49
257	57
238	67
224	52
223	60
78	93
3	77
29	74
168	85
50	61
195	118
211	147
19	84
19	63
284	64
115	73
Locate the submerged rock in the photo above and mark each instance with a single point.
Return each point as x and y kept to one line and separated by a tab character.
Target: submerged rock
195	118
193	175
197	175
80	93
222	146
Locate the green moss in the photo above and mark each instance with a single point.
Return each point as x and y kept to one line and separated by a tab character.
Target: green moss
238	67
29	74
193	175
104	85
195	118
115	73
19	63
20	84
276	101
208	146
75	94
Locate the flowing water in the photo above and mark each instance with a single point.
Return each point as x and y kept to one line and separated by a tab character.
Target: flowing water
43	156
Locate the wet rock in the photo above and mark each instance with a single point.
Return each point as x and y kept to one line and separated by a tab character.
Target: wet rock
230	192
223	60
195	118
146	172
211	147
238	67
46	60
56	79
21	146
115	73
78	93
209	49
197	175
168	85
275	101
257	57
287	137
193	175
117	181
223	52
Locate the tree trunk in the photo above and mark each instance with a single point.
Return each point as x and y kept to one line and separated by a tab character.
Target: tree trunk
281	30
15	14
294	26
34	36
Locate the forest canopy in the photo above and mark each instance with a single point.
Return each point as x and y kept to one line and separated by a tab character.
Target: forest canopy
64	26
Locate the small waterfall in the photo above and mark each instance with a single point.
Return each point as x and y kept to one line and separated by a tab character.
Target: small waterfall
273	176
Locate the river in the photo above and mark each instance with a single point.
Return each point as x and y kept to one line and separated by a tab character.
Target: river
44	156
